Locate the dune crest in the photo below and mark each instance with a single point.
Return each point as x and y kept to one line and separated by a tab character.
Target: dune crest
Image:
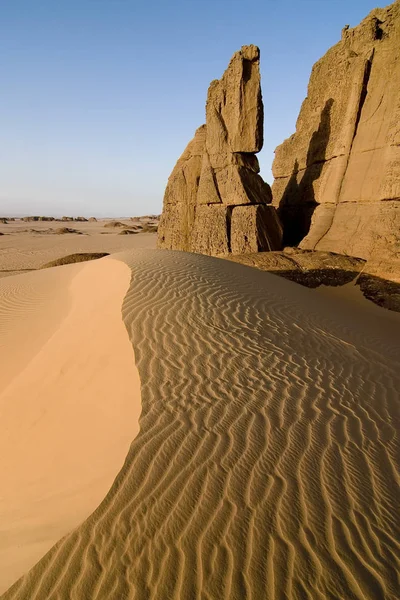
267	462
70	412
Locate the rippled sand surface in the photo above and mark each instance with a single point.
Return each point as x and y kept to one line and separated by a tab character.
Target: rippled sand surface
267	461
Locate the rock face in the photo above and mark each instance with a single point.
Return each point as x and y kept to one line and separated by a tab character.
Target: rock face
248	230
337	179
216	202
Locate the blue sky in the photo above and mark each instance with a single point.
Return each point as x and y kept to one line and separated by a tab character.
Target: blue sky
98	98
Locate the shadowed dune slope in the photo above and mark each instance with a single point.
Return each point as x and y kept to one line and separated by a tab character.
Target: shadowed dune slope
267	463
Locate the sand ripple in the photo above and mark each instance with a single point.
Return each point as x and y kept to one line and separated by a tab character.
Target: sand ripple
267	463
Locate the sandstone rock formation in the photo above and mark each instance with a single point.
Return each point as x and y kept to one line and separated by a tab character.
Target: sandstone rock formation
337	179
37	218
216	202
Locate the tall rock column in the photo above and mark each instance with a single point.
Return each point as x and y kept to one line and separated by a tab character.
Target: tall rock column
215	201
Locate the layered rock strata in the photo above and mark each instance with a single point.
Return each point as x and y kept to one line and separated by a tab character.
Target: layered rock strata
337	179
215	201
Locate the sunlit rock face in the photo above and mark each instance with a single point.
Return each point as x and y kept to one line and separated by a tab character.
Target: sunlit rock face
216	202
337	179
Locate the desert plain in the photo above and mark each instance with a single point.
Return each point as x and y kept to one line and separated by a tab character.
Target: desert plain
28	245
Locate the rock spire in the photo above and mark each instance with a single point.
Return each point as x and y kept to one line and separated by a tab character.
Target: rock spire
215	201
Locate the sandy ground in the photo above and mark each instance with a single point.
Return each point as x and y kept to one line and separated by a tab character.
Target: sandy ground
21	250
267	461
69	403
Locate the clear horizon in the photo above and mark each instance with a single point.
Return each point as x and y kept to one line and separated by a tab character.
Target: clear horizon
99	98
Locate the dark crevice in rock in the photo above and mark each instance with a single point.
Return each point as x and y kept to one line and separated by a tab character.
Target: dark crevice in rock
214	178
379	33
367	202
363	95
247	70
229	226
295	206
302	170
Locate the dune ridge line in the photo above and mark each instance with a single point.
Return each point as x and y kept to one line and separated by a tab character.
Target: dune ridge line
68	416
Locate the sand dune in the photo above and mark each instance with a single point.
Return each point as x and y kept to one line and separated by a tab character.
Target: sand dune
69	403
267	461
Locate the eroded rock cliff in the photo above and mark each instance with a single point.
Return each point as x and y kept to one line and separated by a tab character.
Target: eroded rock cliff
215	201
337	179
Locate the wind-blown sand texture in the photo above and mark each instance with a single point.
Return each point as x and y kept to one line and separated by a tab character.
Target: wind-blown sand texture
69	403
267	461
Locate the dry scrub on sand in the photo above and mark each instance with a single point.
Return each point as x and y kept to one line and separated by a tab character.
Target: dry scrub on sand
267	461
75	258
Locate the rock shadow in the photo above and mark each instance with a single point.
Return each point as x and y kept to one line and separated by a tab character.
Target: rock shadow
380	291
298	201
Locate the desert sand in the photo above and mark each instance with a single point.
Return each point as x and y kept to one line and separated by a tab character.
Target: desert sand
267	460
26	246
69	403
